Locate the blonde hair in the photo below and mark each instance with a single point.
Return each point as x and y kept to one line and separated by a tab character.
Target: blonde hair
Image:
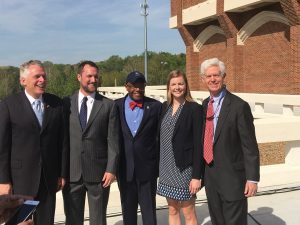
187	94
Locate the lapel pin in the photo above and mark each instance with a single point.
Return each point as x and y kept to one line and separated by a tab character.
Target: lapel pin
148	107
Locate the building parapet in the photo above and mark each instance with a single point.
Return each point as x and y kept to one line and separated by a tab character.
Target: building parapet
200	13
277	117
238	5
207	10
275	104
173	22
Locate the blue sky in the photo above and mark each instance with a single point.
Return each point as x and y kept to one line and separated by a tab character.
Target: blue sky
67	31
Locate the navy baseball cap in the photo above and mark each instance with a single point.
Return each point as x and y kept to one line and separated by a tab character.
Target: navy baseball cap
135	77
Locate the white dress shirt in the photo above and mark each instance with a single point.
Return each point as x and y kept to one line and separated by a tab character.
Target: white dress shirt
32	99
89	103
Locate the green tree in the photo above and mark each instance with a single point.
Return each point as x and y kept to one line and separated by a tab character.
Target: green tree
9	81
62	78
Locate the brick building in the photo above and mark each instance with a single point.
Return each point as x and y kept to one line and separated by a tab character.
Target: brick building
259	41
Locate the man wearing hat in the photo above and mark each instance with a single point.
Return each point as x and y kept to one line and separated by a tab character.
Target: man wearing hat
139	156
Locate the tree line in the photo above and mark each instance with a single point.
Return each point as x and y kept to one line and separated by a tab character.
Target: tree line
62	79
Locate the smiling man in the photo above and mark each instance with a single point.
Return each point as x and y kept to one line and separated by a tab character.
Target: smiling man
31	136
230	149
139	117
92	151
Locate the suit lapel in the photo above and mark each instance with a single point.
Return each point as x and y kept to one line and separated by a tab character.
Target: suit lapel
223	115
145	116
98	103
182	114
123	116
204	104
46	116
74	109
28	110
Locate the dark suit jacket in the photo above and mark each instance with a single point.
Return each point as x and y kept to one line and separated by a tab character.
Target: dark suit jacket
140	154
236	155
186	140
95	150
27	151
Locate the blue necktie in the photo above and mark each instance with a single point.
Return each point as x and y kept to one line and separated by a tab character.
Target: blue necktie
83	113
37	108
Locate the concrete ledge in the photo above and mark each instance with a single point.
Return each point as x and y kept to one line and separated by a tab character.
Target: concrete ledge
280	124
279	176
292	153
249	97
277	129
199	12
173	22
231	5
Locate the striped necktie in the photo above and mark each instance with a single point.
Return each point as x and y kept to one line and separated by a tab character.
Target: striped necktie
209	133
83	113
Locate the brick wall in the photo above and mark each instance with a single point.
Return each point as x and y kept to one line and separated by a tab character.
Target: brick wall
215	47
175	7
267	62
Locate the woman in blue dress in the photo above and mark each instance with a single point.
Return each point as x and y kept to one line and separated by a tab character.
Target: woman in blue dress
181	155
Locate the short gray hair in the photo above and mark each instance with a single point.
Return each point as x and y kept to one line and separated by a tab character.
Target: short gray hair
212	62
24	67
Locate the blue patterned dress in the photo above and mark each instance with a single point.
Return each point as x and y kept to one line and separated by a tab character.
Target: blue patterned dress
173	183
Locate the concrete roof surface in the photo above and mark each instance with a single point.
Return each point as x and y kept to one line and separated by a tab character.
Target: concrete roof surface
276	203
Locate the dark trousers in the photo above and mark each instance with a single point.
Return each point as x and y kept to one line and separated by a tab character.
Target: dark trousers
136	193
74	200
224	212
44	214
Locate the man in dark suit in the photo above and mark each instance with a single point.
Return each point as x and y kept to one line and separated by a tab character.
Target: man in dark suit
139	117
230	149
92	149
31	136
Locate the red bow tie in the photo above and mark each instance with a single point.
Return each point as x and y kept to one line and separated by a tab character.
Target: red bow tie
132	105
